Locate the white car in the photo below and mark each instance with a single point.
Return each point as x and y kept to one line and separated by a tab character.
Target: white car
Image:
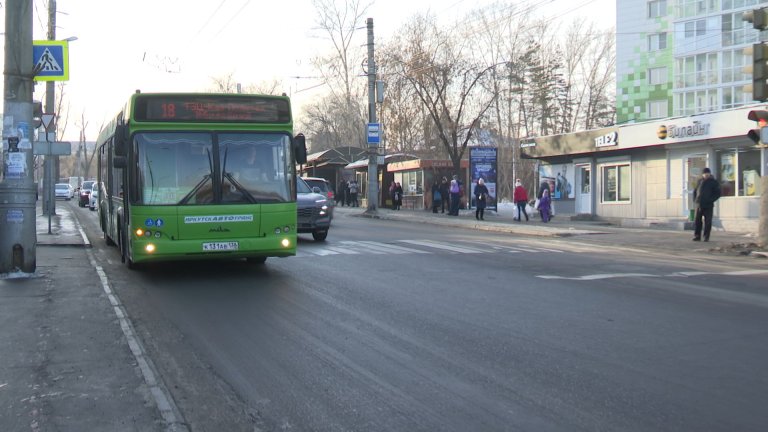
93	201
64	190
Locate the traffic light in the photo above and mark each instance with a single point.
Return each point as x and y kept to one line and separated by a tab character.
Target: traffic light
759	71
759	135
758	18
37	113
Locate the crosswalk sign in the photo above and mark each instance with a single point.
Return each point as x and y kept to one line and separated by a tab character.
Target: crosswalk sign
50	60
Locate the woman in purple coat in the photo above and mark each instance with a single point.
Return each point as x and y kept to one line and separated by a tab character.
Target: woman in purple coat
545	206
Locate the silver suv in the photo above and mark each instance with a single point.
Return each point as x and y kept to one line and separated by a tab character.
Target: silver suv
324	185
315	211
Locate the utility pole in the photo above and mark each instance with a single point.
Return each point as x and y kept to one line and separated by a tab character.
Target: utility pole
18	236
373	148
51	164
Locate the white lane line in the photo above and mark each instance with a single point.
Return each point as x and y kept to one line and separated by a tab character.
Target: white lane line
321	252
676	274
402	249
436	245
373	247
343	251
165	403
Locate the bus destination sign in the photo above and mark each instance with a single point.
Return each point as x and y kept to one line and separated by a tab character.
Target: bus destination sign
211	108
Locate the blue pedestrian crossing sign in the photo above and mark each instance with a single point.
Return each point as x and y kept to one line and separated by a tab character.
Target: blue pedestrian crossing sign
50	60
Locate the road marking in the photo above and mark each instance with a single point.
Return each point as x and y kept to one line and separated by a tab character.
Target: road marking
400	249
349	247
676	274
436	245
162	397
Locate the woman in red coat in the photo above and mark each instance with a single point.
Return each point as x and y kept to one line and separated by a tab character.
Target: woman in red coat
521	199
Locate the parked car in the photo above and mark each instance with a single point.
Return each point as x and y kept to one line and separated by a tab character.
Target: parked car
64	190
315	211
324	185
85	193
93	200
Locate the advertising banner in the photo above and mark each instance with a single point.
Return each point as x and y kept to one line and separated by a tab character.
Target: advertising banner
483	165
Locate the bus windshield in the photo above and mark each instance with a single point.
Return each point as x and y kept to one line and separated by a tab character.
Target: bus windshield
212	168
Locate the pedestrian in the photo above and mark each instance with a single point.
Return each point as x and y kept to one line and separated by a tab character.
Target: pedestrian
455	197
481	197
704	196
392	195
544	205
520	196
436	197
398	196
341	193
542	187
545	186
445	194
353	188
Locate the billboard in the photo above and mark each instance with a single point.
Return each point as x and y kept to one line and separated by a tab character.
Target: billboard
483	165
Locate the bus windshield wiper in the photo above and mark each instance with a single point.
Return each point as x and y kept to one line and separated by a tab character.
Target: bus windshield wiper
195	189
240	187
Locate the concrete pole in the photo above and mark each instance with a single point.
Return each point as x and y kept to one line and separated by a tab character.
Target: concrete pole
373	150
18	236
51	162
762	238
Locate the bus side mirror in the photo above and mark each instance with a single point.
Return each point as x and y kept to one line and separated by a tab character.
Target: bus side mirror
300	148
119	162
121	140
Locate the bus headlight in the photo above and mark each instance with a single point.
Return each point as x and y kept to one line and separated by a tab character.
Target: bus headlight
150	248
139	232
286	243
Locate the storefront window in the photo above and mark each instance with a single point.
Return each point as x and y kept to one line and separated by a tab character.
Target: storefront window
617	183
739	172
411	181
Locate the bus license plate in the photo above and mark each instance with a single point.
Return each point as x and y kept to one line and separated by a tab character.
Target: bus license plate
221	246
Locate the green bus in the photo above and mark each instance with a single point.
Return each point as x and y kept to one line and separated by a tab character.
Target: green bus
185	176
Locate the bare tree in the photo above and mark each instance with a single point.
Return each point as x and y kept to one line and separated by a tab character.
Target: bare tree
446	81
84	154
402	113
341	23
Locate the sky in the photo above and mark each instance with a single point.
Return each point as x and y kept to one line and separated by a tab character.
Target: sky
181	45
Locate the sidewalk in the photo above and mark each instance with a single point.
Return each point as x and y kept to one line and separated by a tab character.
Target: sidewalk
562	226
65	364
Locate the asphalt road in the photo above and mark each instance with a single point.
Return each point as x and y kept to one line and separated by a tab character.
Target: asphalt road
396	326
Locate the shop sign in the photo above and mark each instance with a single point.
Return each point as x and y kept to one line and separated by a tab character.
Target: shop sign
607	140
673	131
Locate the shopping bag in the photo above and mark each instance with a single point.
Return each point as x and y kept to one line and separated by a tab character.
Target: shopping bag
536	204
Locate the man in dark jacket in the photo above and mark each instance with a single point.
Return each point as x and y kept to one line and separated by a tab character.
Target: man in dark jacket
704	196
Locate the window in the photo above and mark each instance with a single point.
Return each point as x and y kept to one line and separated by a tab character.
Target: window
657	76
411	181
736	31
737	4
617	183
657	109
657	42
735	96
738	171
657	8
733	62
687	8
